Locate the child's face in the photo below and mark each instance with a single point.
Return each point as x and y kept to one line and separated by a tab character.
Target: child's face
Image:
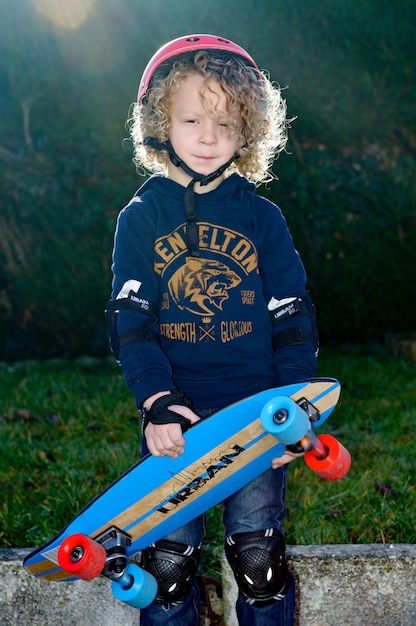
198	130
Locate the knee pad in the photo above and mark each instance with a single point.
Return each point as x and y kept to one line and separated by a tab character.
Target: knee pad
259	565
174	566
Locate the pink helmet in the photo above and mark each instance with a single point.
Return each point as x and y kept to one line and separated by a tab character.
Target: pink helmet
190	43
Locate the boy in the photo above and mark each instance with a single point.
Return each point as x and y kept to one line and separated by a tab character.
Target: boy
209	301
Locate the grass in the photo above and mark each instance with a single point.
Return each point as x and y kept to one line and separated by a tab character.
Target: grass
65	433
68	429
375	502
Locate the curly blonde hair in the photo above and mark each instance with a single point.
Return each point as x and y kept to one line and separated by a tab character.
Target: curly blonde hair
255	107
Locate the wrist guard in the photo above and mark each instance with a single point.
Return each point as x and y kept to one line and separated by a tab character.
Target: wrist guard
159	412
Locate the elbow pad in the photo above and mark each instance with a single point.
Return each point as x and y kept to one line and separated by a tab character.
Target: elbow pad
287	314
145	333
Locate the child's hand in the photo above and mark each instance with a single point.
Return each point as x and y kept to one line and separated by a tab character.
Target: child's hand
167	439
287	457
164	439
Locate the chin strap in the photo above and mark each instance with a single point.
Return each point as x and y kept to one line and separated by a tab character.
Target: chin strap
192	234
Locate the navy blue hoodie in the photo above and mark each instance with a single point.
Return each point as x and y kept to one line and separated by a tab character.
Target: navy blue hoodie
213	324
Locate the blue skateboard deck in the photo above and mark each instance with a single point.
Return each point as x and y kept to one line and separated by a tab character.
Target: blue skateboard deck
158	495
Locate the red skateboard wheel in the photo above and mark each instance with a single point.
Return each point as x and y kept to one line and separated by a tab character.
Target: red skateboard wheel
82	556
335	465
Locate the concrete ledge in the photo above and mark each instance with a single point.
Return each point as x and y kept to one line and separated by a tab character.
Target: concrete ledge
352	585
28	601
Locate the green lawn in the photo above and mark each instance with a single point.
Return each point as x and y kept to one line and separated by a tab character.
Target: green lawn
68	429
375	418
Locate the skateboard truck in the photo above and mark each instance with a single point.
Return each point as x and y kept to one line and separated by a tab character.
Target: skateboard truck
311	411
130	583
291	422
115	542
87	558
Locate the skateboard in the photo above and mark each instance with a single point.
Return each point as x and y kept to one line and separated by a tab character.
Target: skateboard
158	495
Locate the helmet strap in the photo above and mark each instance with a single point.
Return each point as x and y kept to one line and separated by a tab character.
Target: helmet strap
190	200
192	234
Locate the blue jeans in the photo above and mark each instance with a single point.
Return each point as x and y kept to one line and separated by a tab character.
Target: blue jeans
257	506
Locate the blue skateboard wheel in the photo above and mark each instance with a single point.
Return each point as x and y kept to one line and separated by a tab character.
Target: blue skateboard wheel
285	420
136	587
